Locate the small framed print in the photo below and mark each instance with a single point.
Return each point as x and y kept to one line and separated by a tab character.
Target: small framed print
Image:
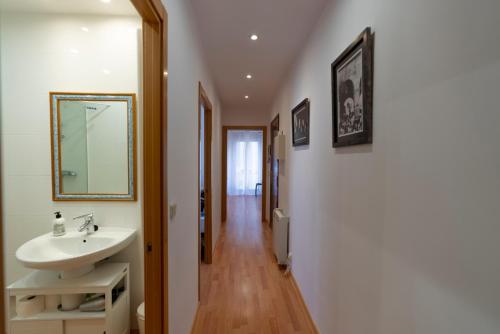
300	124
352	90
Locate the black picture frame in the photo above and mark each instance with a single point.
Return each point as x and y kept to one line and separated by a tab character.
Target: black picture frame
300	123
352	91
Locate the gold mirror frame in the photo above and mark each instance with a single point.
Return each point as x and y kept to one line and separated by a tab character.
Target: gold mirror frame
55	126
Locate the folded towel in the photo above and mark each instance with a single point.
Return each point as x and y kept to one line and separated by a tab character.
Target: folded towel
94	305
92	296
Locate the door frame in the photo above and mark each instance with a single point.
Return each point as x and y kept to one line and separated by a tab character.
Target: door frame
225	130
275	123
204	101
155	199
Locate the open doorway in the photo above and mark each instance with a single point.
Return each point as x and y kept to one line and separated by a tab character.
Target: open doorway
274	170
244	167
115	59
205	182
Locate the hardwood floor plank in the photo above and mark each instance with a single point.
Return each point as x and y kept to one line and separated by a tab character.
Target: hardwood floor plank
243	290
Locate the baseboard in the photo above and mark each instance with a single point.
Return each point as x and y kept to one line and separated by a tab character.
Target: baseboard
217	242
303	303
195	317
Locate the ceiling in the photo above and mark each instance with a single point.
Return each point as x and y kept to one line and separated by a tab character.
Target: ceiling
114	7
225	27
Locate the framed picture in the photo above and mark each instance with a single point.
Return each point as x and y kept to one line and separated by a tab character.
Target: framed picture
352	90
300	124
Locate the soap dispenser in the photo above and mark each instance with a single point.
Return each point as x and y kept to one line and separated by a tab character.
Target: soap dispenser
58	228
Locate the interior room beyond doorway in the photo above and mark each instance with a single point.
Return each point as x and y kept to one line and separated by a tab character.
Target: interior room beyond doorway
244	165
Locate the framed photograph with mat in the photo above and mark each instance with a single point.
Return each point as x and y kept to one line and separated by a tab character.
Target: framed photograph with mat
300	124
352	91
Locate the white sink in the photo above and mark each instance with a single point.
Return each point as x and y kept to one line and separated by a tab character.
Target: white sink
75	253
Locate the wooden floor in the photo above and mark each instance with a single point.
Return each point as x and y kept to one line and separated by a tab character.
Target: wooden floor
243	291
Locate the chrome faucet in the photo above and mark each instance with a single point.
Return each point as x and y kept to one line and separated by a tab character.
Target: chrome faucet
89	224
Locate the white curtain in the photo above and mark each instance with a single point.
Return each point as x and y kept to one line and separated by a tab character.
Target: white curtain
244	162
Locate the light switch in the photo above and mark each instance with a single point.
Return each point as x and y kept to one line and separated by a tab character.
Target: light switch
172	209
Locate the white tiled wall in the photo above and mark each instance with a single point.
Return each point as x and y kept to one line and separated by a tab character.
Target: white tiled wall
36	58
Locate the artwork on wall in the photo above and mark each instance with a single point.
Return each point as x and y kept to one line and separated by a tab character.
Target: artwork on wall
300	124
352	88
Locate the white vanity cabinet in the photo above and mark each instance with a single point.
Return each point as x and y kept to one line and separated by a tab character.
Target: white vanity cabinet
106	277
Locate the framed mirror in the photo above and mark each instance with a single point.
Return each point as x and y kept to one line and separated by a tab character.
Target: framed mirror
93	147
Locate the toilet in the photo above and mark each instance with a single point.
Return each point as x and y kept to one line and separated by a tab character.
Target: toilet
140	318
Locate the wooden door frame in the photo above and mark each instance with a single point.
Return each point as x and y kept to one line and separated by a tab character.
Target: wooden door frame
273	124
225	130
204	101
155	201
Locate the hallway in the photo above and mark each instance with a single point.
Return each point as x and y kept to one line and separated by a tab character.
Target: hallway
243	291
146	144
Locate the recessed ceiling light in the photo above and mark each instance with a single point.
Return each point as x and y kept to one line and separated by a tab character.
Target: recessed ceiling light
85	29
249	76
74	51
106	1
254	37
247	97
106	71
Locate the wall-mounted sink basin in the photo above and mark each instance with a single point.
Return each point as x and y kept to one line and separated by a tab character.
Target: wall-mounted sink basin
75	253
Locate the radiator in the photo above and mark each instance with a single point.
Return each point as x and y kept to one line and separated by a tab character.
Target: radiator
280	236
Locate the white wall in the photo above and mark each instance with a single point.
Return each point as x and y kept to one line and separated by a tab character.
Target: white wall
245	116
36	58
186	68
401	236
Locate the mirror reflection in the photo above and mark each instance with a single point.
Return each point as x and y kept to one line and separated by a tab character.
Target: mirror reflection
93	141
